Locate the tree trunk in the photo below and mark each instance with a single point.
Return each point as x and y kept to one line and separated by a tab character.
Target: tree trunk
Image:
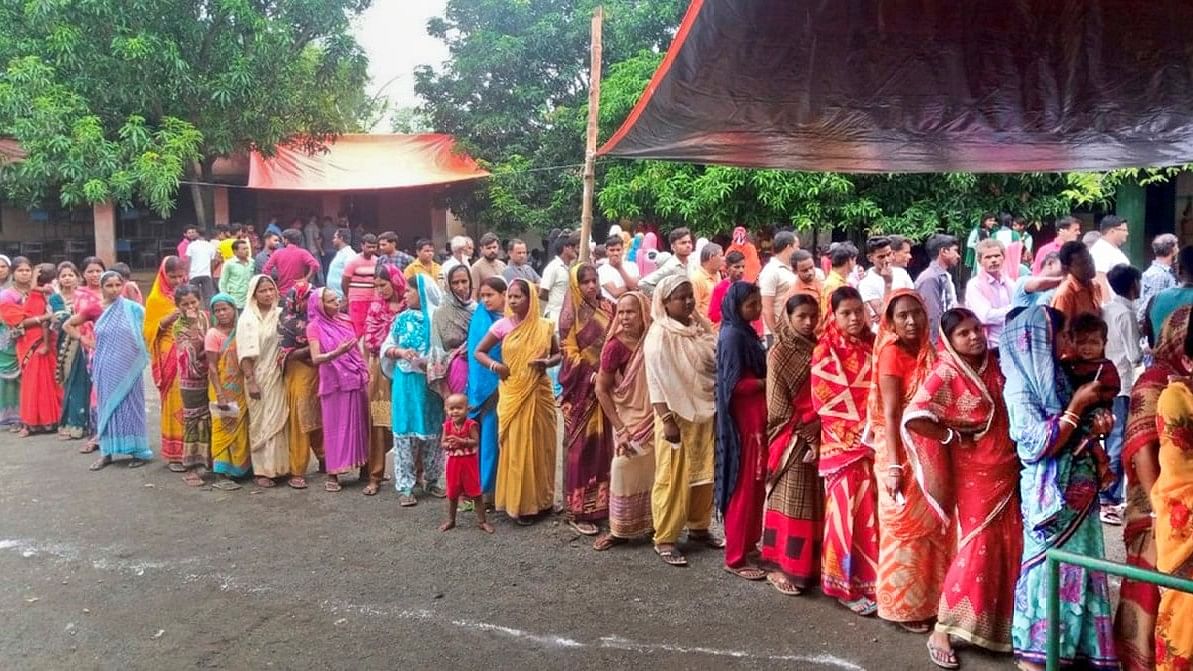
201	176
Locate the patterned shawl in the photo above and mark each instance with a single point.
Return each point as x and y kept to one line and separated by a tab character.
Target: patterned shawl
583	326
158	306
1037	392
739	354
629	391
953	394
346	372
292	325
841	372
681	360
912	380
454	316
188	345
789	368
380	317
1141	431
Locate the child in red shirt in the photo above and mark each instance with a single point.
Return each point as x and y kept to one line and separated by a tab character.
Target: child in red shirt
461	441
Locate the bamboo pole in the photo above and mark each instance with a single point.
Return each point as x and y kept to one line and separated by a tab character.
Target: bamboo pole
590	146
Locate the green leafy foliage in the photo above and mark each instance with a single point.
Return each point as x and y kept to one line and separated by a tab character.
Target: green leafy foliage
119	99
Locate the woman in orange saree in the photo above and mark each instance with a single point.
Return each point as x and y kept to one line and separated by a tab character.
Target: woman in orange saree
160	315
841	372
957	439
1135	620
914	550
1172	499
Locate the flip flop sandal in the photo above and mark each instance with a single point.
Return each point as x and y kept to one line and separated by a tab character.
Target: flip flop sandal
784	586
297	483
523	521
671	557
707	540
607	541
193	479
225	485
916	627
585	528
332	486
407	500
863	606
264	482
176	467
945	659
88	448
101	464
747	572
137	463
370	489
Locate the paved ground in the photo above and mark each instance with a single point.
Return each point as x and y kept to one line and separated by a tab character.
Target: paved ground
131	569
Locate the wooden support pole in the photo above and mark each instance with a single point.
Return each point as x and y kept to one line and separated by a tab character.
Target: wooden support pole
590	146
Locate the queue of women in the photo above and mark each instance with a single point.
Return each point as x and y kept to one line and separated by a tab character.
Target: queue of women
920	484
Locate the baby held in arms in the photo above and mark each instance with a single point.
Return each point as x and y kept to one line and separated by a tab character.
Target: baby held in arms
1085	363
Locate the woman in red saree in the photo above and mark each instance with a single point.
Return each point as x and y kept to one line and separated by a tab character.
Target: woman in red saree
791	525
841	371
587	433
956	434
914	549
25	309
1135	620
160	315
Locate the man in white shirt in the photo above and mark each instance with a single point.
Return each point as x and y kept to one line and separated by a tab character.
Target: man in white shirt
1107	250
1124	349
681	243
882	278
344	253
616	275
988	294
461	246
554	287
201	255
777	277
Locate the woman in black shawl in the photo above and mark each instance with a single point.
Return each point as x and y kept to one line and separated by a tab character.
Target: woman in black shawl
741	429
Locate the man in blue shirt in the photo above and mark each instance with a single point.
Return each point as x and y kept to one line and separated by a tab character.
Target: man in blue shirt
1166	302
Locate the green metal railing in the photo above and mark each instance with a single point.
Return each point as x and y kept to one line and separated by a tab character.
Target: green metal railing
1054	558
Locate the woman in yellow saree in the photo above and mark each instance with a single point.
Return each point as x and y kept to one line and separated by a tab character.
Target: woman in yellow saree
1172	501
160	315
230	421
526	420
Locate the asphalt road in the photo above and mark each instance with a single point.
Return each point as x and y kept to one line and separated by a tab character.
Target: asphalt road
132	569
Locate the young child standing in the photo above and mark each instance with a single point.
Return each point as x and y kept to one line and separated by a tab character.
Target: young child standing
461	441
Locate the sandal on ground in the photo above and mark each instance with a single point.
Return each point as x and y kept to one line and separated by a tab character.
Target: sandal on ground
225	485
707	539
103	462
88	448
297	482
671	557
782	584
916	627
193	479
1110	515
332	486
371	489
407	500
136	463
863	606
607	541
747	572
523	521
467	507
584	528
436	491
945	659
176	467
264	482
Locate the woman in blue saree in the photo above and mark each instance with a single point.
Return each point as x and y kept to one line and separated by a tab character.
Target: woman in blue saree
482	382
1059	489
118	370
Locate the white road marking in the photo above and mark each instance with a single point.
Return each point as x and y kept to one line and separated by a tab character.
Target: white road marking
229	583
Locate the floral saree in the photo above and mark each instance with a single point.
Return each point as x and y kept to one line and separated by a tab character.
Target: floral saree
1172	499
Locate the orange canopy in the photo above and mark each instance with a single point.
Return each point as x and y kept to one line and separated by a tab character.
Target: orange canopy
358	162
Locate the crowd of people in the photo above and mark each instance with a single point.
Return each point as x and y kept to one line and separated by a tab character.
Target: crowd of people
911	447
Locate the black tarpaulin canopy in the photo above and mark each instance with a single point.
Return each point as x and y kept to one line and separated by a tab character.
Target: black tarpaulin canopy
922	86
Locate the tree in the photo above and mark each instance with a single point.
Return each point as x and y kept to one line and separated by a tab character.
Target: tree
119	99
513	94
